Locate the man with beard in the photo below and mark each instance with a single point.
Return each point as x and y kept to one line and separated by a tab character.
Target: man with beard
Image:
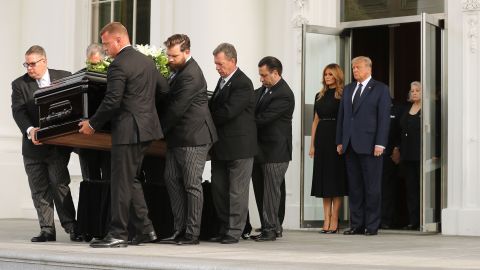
189	132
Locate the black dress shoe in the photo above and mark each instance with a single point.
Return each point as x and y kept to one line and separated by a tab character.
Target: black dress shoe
267	236
245	236
188	239
385	227
216	239
44	237
227	239
411	227
76	237
255	237
143	238
279	233
370	233
109	242
172	239
353	231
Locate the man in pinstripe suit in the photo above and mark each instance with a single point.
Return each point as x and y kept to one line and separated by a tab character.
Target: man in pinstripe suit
45	165
189	132
273	116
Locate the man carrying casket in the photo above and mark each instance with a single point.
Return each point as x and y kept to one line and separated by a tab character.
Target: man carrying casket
45	165
129	105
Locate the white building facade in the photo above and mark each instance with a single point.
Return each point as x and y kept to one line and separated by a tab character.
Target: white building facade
256	28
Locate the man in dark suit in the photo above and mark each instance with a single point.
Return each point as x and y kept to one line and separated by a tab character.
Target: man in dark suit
190	132
273	116
129	105
391	159
232	107
45	165
362	135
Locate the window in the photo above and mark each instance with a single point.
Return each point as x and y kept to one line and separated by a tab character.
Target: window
354	10
134	14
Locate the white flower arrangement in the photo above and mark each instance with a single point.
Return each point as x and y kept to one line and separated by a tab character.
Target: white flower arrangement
158	56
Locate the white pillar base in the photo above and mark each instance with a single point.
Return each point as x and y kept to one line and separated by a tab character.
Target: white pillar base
461	221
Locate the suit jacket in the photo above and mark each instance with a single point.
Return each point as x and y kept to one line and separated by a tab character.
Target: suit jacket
25	112
233	112
368	123
273	115
187	120
129	101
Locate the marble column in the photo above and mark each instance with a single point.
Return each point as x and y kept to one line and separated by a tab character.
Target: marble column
462	215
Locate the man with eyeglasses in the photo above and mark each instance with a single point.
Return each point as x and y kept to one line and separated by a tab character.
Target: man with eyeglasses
45	165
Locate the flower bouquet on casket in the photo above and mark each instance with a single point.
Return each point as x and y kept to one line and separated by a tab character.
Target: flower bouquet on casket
158	55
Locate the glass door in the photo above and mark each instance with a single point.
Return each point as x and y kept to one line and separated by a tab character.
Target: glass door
432	85
321	46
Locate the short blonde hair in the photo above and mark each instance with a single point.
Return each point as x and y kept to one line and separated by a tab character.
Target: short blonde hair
114	28
364	59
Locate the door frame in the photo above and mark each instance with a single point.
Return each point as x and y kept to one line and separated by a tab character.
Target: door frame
343	28
342	55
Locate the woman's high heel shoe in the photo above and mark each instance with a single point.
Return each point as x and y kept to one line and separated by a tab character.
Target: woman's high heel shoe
324	231
332	231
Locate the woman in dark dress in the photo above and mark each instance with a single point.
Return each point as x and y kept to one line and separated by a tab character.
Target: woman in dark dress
328	167
410	153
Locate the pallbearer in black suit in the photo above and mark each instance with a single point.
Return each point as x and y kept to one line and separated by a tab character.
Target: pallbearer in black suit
273	115
190	132
129	105
45	165
362	135
232	107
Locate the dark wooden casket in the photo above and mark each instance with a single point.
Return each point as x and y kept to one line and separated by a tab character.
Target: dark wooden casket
68	101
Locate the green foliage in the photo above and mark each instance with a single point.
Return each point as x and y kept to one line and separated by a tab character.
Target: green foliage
158	55
100	67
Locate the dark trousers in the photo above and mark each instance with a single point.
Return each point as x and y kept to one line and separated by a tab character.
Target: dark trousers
183	179
257	181
271	175
364	189
127	199
48	179
230	188
95	164
412	183
389	190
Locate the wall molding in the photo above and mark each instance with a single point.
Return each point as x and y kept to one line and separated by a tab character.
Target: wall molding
298	18
471	5
472	33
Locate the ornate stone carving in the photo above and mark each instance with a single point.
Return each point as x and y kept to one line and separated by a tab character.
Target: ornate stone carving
472	33
471	4
298	17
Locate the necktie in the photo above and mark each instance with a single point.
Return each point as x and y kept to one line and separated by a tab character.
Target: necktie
263	94
356	98
170	78
222	83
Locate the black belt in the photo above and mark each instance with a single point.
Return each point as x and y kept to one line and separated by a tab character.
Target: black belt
328	119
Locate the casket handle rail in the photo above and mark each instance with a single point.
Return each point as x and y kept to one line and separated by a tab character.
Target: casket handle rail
56	112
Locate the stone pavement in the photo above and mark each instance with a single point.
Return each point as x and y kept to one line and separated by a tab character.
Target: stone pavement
296	250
